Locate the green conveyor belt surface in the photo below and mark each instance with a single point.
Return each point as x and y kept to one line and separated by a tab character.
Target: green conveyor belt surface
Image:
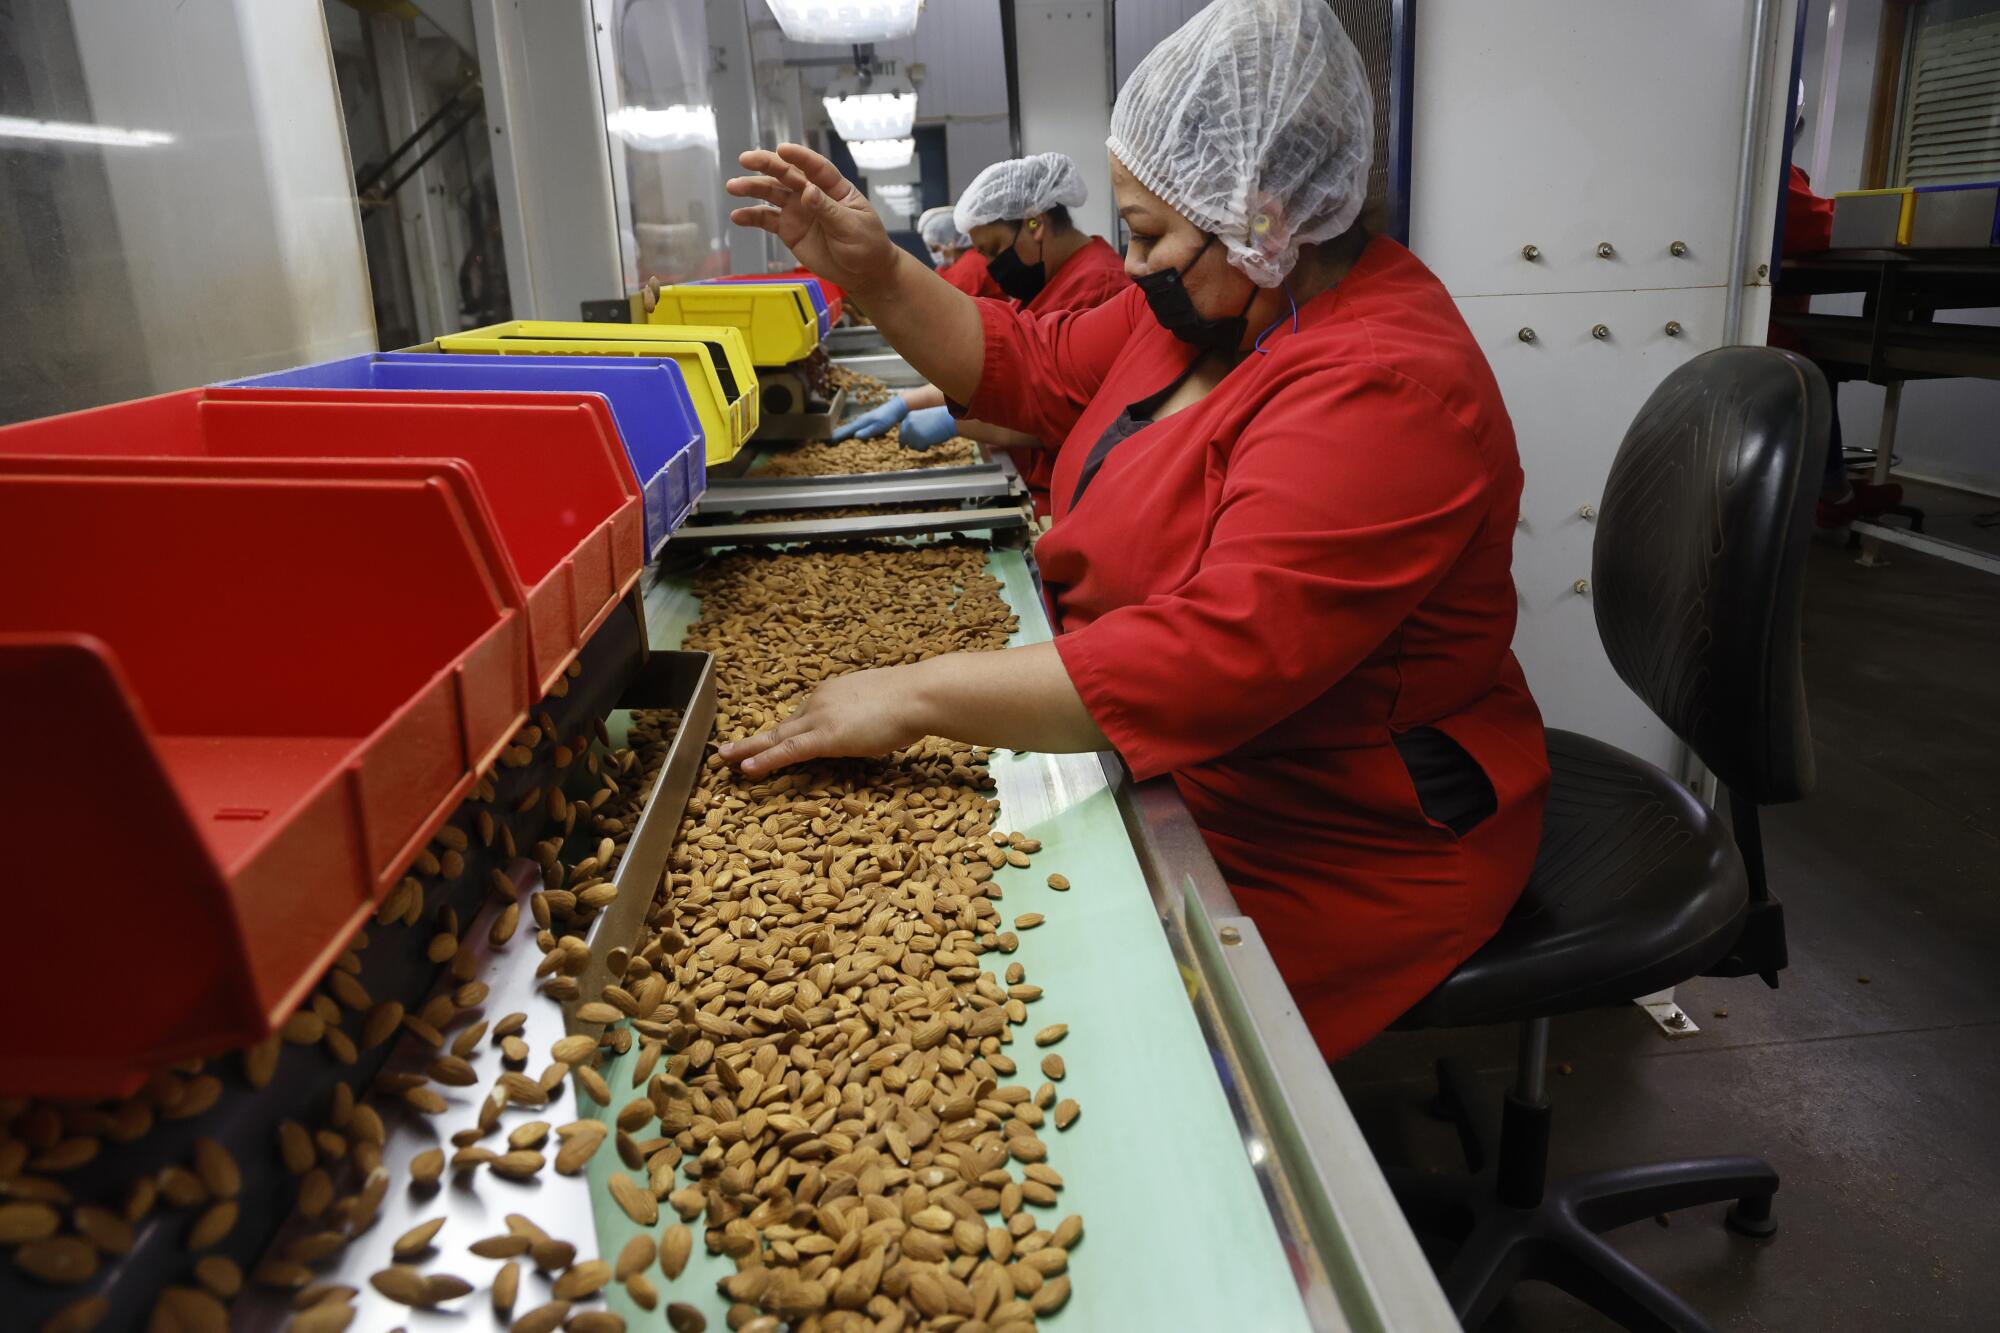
1176	1232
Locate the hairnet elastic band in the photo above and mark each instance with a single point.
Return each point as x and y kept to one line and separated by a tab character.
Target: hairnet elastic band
1170	195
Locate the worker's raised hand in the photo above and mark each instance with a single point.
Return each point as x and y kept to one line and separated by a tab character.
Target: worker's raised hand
817	213
862	716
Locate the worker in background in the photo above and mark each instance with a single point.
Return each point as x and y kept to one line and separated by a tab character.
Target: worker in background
1281	563
941	236
1809	228
953	255
1016	214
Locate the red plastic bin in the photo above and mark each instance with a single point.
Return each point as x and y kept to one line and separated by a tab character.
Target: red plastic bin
555	474
247	715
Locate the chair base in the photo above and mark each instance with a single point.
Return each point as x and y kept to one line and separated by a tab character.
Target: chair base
1508	1224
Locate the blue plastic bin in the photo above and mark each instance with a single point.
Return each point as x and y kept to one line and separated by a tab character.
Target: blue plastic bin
648	400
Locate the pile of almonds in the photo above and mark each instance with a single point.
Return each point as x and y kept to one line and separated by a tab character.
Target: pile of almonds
844	511
852	457
834	1104
864	390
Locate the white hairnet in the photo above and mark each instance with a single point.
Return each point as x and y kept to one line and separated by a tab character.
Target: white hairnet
1255	122
1009	191
939	231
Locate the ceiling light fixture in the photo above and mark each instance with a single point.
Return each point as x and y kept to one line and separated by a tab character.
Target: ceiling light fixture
844	21
69	131
882	154
662	129
885	109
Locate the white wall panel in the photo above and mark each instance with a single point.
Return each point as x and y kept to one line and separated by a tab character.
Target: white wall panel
1628	131
240	237
1142	23
732	86
1571	397
958	43
1065	103
551	162
973	145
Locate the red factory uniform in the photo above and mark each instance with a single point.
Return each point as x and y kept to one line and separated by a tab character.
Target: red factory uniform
1293	596
1088	278
968	274
1808	227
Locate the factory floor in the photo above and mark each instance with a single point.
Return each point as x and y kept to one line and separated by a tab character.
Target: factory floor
1871	1078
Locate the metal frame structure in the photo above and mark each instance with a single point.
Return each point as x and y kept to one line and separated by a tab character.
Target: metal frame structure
1402	81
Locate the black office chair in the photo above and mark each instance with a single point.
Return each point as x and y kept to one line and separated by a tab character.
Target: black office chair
1697	573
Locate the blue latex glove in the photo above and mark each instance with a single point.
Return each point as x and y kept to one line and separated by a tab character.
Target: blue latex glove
874	422
928	426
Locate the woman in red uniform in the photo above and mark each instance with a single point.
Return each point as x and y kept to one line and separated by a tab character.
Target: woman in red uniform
1016	214
953	255
1285	505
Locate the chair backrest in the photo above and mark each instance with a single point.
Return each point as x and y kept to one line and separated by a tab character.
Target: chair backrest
1698	569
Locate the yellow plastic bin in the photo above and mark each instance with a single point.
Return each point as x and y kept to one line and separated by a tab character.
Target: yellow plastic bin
777	319
715	361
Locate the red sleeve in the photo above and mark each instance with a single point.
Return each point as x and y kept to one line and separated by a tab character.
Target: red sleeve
1808	217
1323	543
968	274
1102	286
1040	371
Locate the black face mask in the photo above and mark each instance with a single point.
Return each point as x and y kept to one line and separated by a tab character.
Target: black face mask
1170	303
1015	276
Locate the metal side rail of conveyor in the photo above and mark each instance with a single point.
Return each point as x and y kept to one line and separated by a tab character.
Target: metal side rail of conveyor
987	482
986	497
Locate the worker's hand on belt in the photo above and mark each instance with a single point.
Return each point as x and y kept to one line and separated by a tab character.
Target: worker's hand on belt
875	421
927	426
863	715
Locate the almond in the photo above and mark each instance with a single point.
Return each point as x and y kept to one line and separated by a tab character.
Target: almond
676	1243
506	1285
58	1259
542	1319
582	1281
403	1285
417	1239
214	1224
23	1222
638	1203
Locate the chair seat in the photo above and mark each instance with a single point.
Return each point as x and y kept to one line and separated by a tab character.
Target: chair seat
1637	886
